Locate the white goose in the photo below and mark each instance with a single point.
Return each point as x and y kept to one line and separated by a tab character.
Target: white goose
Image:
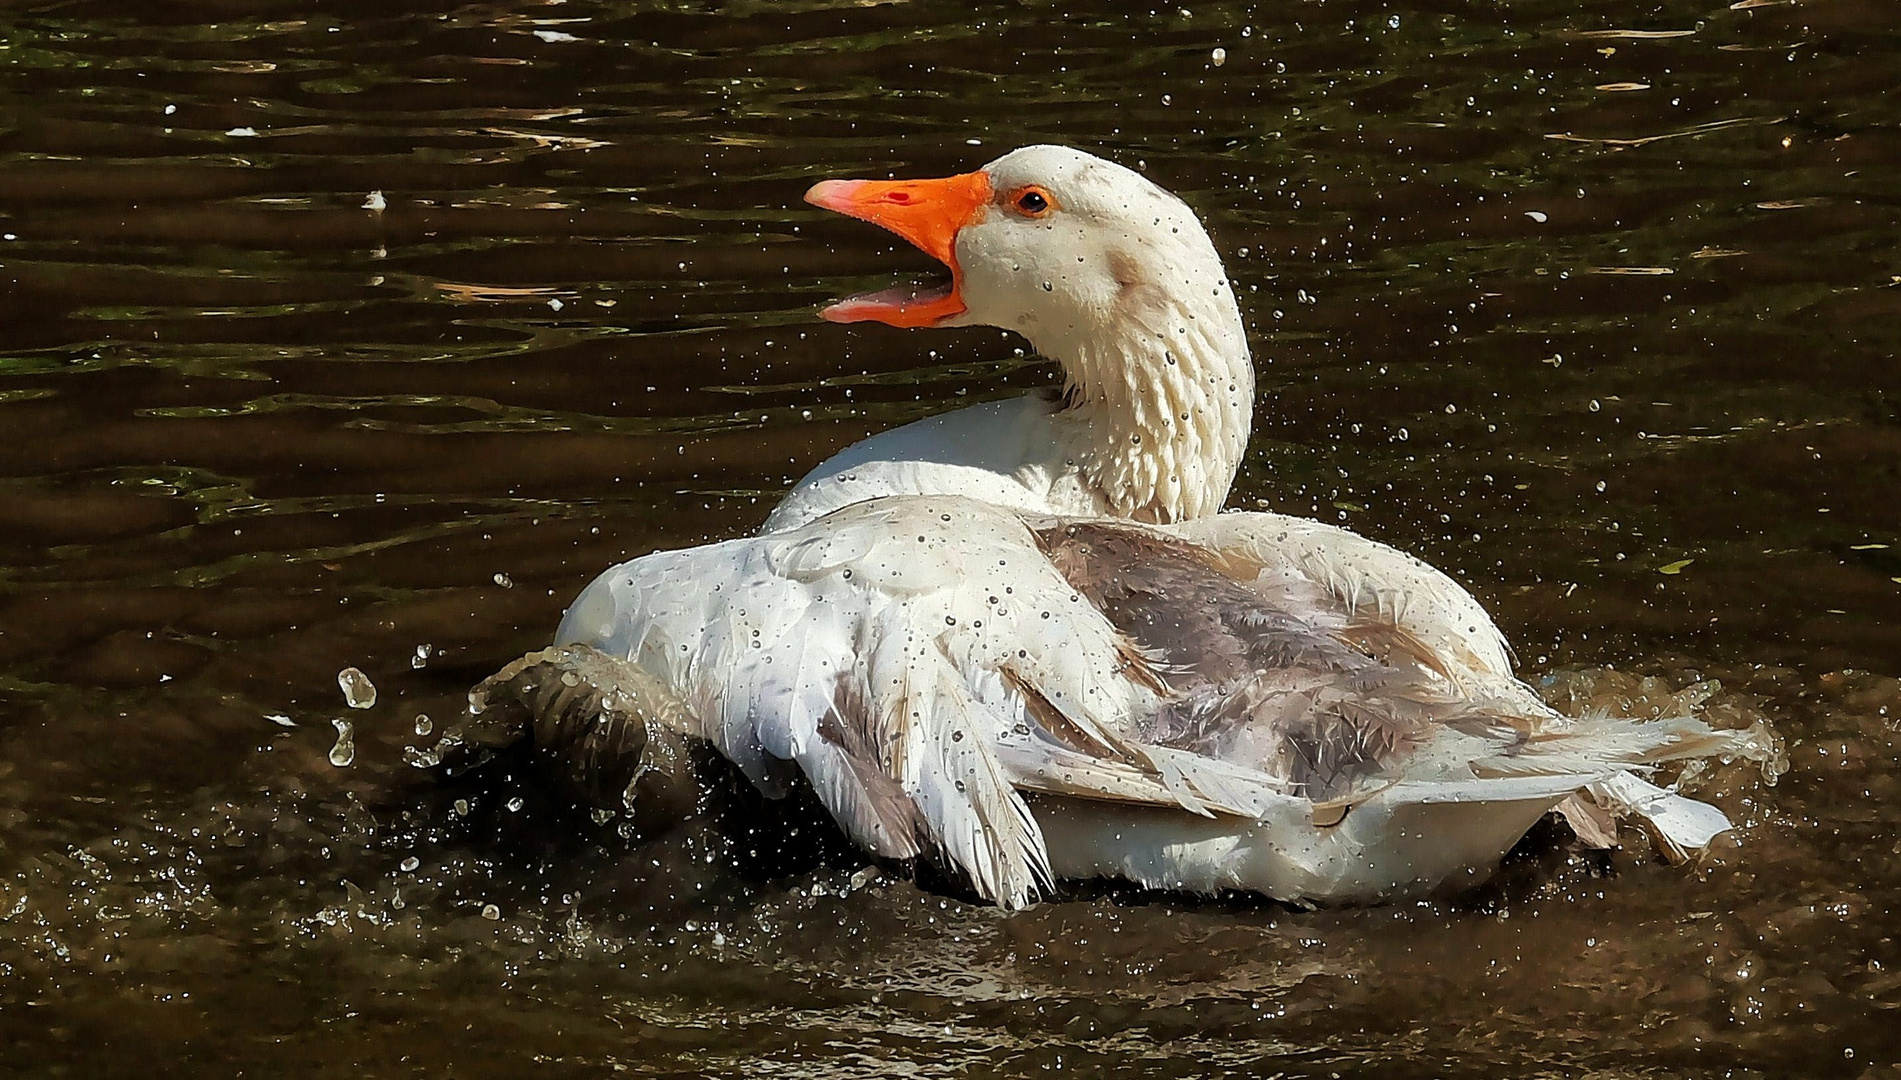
1020	640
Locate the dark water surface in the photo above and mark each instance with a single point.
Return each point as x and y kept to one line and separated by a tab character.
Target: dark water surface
1597	306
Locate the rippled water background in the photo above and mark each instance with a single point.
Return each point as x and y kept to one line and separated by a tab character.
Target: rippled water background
1597	306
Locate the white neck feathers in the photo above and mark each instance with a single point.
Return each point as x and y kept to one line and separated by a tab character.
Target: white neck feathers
1158	407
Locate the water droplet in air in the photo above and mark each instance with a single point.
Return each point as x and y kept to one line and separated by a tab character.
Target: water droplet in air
410	864
342	754
358	691
424	725
1218	57
504	581
421	659
491	912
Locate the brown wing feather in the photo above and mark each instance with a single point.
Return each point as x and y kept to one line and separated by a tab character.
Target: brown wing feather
871	755
1055	722
1267	670
1385	640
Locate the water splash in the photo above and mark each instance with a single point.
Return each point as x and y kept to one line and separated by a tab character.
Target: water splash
358	691
344	752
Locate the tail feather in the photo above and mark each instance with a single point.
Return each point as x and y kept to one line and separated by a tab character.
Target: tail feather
1617	750
1679	825
1605	744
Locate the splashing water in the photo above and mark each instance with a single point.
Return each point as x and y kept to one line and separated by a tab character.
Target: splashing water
358	691
344	752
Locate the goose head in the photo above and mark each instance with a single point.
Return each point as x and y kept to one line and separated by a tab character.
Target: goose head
1105	273
1047	241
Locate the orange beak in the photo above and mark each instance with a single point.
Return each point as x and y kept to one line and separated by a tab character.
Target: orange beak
928	213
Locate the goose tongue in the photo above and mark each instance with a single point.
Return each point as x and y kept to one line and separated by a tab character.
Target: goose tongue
928	214
921	304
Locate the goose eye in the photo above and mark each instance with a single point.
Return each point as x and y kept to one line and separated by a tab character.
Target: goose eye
1033	202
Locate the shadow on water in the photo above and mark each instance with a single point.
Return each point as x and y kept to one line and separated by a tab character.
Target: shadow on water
364	335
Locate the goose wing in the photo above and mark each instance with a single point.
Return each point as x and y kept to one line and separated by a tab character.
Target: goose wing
919	660
1373	583
1410	613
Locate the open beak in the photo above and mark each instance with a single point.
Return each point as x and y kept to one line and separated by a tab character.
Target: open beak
928	213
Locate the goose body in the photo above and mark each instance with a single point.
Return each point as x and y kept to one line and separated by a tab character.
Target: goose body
1019	639
999	453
